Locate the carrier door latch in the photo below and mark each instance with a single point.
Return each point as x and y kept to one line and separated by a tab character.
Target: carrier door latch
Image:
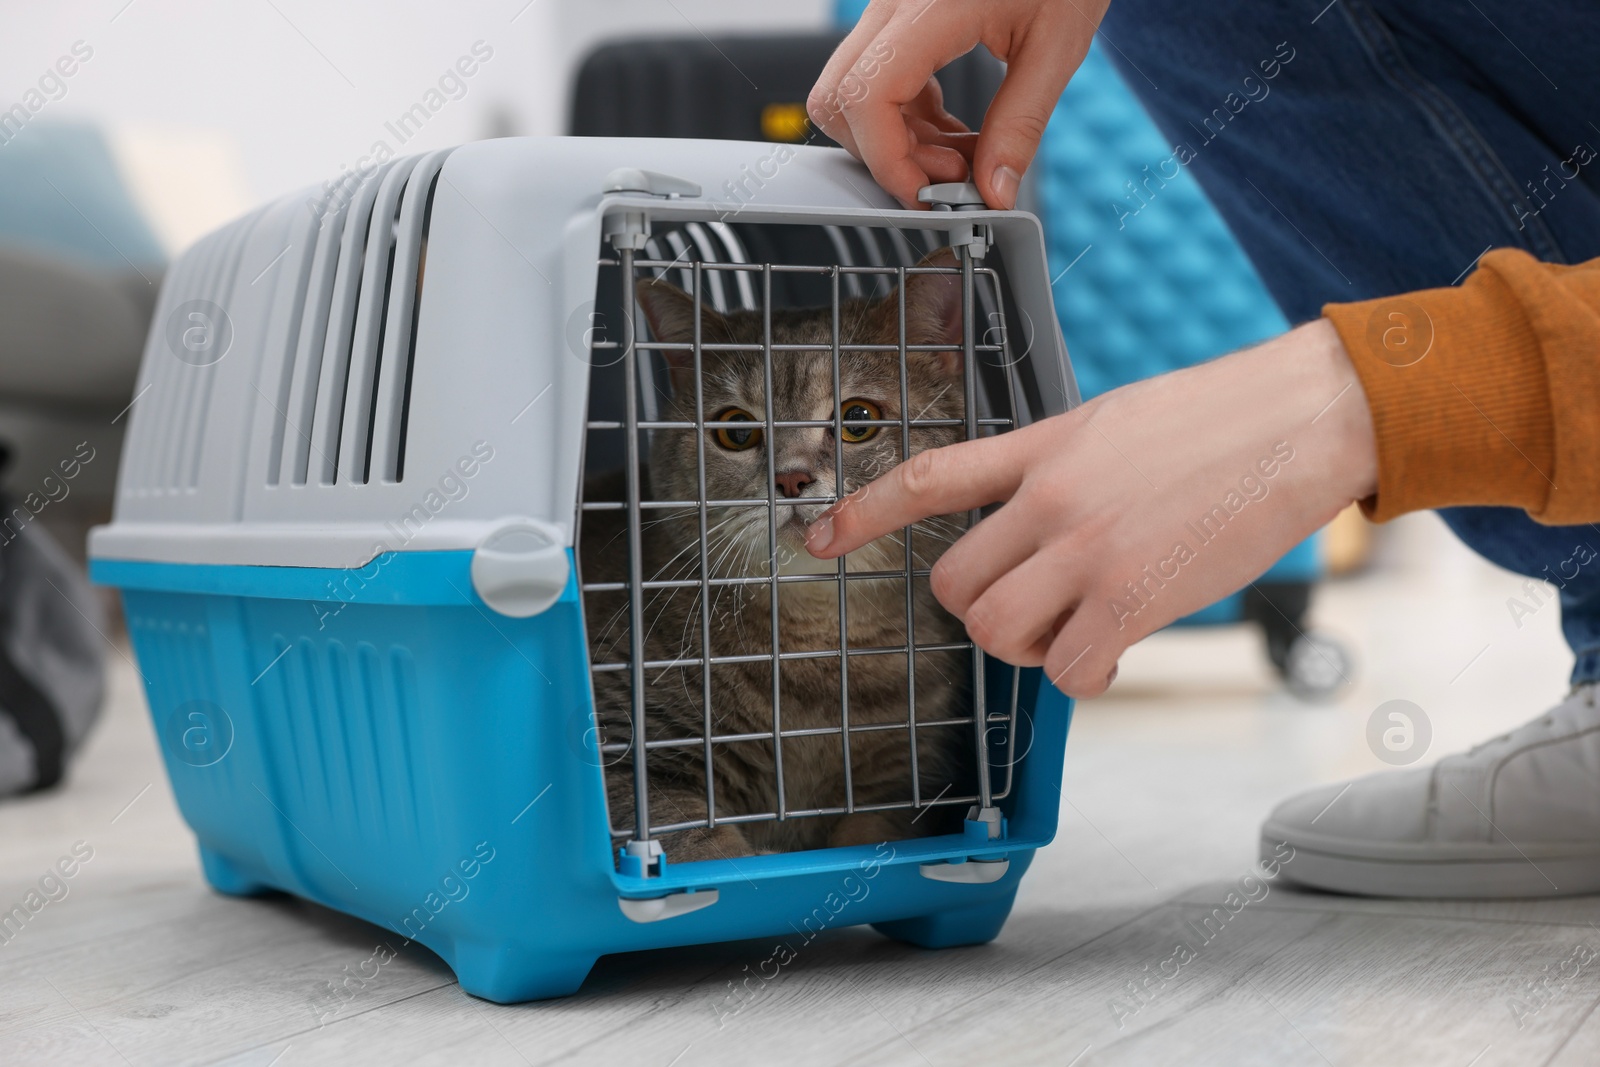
631	229
958	197
982	826
972	872
654	909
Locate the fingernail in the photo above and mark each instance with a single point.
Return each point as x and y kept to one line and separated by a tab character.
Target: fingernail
1004	182
820	534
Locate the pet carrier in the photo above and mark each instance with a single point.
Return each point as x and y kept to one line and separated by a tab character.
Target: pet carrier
345	537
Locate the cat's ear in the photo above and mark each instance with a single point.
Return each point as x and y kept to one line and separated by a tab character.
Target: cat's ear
670	313
933	310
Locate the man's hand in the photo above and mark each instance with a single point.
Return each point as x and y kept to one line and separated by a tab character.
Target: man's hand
878	96
1134	509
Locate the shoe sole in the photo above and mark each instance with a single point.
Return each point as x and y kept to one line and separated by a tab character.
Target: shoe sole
1495	876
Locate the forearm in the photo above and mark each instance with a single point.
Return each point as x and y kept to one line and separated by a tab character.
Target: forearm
1486	393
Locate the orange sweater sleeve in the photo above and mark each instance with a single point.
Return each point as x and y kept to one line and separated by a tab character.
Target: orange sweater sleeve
1487	393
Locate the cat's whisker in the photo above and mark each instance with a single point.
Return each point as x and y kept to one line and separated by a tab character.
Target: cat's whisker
688	547
940	395
684	638
606	629
692	615
680	570
739	542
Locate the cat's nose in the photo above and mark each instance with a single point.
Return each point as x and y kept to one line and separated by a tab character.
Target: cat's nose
792	483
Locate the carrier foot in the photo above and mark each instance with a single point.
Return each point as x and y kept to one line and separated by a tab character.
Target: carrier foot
974	925
510	974
226	877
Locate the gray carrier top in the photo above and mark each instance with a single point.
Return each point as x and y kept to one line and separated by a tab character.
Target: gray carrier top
403	362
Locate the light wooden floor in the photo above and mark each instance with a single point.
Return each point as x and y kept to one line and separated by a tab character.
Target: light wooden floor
1167	779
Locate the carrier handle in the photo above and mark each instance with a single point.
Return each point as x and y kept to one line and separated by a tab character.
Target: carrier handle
960	197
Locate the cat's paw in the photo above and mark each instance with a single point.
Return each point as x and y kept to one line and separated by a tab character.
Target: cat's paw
723	843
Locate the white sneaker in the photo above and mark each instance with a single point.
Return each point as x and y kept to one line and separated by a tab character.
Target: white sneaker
1518	816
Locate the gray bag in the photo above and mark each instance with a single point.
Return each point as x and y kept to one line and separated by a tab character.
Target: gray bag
52	667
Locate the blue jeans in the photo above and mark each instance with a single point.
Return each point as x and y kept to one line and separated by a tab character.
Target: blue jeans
1400	140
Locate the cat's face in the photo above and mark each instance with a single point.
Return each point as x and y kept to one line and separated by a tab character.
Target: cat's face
804	461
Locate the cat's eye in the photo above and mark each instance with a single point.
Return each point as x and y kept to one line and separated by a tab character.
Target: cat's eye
731	437
859	410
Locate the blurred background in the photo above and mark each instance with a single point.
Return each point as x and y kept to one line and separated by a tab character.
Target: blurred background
212	109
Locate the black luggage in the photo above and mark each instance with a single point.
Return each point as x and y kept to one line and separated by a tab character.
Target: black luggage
734	88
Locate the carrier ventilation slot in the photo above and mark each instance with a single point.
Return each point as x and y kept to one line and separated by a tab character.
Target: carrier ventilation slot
349	368
169	436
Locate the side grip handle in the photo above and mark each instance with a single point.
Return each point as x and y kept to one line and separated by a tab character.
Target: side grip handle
521	569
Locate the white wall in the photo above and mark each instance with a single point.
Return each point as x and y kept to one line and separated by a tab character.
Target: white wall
217	106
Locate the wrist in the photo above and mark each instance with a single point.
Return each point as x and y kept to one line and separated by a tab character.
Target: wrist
1345	413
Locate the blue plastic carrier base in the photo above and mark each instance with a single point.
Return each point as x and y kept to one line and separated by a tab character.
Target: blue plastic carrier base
380	742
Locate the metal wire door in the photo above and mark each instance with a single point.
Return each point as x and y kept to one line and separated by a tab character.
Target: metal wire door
712	261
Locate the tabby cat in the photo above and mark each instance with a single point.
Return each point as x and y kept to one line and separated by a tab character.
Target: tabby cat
813	765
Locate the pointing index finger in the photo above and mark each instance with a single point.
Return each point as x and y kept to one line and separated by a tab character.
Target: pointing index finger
940	481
